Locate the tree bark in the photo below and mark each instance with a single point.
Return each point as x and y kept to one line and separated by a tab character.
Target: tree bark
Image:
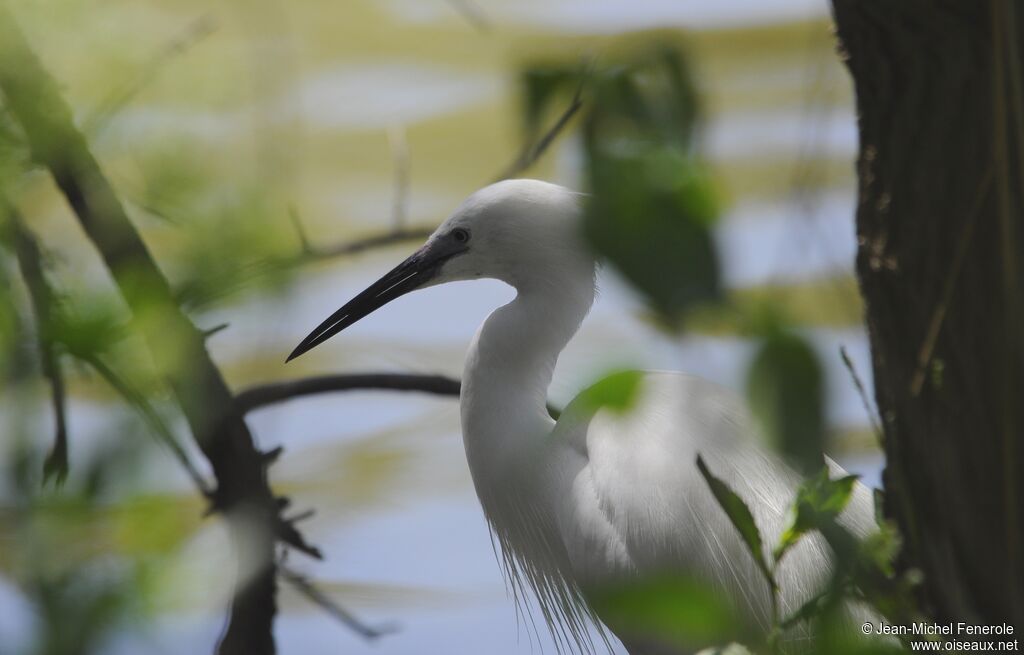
938	88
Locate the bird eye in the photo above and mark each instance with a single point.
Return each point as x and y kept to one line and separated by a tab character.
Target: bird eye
460	234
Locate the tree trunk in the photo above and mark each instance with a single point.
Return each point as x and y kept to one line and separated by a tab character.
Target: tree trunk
938	87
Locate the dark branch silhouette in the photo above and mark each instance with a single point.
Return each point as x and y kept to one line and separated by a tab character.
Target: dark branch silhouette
277	392
304	586
527	157
243	493
153	420
41	296
312	252
531	152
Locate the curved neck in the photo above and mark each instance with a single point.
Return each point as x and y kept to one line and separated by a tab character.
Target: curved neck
510	364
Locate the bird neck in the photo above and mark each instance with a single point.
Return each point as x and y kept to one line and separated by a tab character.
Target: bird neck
510	364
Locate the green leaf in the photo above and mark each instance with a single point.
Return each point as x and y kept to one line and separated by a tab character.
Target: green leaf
785	388
741	518
879	549
673	610
878	496
542	83
819	500
646	96
616	392
650	214
652	200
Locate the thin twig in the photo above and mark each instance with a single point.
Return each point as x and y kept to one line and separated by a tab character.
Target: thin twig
269	394
293	216
301	516
209	332
153	420
30	262
1003	17
531	152
862	391
288	534
400	159
357	246
528	156
318	597
924	355
193	33
259	396
472	13
308	251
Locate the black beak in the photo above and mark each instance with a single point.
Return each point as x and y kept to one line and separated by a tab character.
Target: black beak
408	276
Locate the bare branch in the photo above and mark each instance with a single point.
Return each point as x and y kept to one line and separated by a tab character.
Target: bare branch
531	152
527	157
301	584
30	262
256	397
269	394
153	420
209	332
398	234
243	492
289	535
293	215
848	363
368	243
400	157
924	354
472	13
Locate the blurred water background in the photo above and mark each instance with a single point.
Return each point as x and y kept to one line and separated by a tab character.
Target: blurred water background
237	116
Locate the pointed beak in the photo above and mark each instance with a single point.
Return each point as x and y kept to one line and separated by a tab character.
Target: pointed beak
413	273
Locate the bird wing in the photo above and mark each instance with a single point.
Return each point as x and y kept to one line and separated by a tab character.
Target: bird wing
631	500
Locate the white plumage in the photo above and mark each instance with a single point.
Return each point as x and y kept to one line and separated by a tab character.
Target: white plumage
599	496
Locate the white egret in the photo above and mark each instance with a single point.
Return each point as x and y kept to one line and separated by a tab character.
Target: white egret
599	496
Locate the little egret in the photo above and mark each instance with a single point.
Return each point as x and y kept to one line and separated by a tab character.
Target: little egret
599	497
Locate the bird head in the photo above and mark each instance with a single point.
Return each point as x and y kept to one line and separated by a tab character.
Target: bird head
522	232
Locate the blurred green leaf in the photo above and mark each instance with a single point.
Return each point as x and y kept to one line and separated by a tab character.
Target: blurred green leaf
741	518
90	328
14	152
617	392
652	201
174	179
646	96
836	635
12	358
819	499
878	499
541	84
785	388
672	610
153	524
829	302
649	215
879	549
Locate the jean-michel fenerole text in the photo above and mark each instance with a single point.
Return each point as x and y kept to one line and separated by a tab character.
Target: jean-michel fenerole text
951	629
